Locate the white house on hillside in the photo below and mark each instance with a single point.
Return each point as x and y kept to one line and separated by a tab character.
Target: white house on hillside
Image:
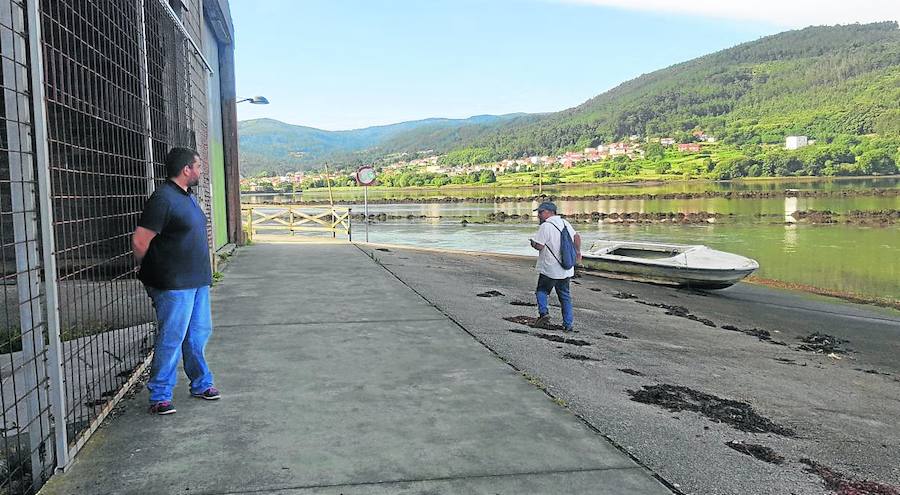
795	142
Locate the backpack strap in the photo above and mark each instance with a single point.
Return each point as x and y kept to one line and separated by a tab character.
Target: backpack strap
560	245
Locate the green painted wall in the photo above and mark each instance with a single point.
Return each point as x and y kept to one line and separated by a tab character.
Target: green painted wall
220	216
216	150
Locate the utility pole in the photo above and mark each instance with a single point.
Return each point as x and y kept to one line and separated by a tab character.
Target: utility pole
330	200
328	183
540	178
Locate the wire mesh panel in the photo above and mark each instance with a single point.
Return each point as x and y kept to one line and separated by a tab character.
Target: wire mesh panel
169	73
120	89
178	97
98	149
199	78
26	451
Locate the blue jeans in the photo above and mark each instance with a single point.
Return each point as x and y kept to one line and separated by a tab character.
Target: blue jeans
544	286
184	325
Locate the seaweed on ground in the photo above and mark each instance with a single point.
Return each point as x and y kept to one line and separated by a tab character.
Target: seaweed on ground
679	311
579	357
629	371
823	344
758	451
759	333
844	485
560	339
490	293
530	321
737	414
624	295
550	337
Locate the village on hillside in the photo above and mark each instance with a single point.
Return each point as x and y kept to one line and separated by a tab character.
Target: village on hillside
444	173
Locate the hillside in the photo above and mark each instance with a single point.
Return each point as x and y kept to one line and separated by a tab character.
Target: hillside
819	81
268	144
823	82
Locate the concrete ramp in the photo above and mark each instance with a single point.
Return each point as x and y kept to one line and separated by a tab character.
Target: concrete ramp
337	379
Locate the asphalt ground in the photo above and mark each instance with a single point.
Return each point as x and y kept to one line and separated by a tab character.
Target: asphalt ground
839	409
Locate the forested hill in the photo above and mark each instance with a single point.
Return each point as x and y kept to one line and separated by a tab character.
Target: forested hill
274	146
822	82
819	81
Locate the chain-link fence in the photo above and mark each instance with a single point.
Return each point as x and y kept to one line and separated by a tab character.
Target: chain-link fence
97	128
23	375
94	94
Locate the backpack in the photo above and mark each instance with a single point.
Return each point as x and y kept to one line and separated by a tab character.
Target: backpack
567	252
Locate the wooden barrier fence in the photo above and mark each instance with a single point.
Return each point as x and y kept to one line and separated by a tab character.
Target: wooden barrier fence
292	219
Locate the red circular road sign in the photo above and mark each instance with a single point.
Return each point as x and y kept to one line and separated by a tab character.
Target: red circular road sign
366	175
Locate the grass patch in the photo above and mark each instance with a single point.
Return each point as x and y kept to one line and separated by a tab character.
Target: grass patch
533	380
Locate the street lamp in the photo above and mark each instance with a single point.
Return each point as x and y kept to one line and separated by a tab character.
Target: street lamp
256	100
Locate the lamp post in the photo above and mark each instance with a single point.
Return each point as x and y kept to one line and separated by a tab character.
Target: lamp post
256	100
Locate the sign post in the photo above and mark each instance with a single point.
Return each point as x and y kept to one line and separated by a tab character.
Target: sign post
366	176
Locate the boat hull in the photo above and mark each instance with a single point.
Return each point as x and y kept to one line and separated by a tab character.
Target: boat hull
688	266
684	277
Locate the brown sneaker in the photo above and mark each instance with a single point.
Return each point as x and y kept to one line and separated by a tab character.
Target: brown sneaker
542	321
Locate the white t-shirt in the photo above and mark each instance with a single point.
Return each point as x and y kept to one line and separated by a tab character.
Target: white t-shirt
549	236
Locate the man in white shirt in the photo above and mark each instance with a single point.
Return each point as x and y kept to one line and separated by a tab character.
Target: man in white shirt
551	273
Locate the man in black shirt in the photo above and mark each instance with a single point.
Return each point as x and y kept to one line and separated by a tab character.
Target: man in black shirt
170	245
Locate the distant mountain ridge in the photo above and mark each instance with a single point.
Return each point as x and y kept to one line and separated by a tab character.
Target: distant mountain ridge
824	82
269	144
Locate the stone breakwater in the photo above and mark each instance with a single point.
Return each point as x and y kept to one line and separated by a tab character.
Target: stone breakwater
817	217
861	217
503	217
788	193
627	217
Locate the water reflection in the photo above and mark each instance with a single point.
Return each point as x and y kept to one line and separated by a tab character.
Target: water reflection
747	209
767	185
790	238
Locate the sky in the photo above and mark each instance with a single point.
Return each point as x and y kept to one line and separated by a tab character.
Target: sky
349	64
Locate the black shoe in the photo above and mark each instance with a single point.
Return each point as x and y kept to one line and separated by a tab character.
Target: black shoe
542	321
212	393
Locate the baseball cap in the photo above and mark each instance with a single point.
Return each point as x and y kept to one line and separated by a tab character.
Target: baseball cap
546	205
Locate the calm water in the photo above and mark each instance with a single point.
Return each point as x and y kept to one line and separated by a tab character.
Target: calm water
849	258
356	194
861	260
744	209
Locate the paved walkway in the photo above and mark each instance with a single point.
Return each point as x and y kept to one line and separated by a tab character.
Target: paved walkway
337	378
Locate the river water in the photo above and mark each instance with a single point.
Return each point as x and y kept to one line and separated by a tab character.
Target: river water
857	259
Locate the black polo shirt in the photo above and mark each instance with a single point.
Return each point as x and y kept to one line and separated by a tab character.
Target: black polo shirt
178	257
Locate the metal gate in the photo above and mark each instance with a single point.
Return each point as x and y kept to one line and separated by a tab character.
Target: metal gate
94	94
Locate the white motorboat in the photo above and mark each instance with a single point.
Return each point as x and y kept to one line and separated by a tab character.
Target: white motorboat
673	264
